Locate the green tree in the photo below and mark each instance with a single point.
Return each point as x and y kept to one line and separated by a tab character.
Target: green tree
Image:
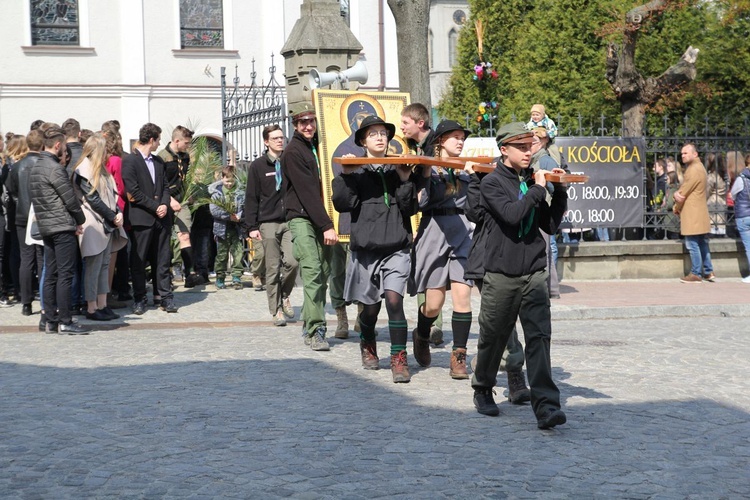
554	52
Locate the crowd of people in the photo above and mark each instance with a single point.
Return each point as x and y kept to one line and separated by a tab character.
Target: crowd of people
87	227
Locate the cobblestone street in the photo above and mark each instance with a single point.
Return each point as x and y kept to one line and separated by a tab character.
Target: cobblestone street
215	402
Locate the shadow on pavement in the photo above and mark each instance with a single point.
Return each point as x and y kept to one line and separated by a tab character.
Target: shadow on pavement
297	427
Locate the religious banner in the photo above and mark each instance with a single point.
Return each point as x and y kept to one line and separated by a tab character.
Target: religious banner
613	195
339	113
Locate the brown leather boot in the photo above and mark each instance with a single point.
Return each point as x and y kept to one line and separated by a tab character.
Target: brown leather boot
342	325
400	368
421	349
458	364
369	353
518	393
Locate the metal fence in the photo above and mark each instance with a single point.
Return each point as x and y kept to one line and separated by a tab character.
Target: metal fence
716	143
246	110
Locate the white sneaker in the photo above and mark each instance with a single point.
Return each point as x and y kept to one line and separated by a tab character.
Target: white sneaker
746	279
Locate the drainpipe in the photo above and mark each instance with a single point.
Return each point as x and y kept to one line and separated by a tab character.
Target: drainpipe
381	35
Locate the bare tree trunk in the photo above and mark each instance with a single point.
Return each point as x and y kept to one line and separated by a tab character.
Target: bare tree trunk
633	91
412	28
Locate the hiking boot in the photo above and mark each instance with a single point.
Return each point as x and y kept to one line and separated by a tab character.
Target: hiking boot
485	403
518	393
691	278
711	277
306	336
550	418
220	284
436	335
192	280
286	307
400	368
458	364
279	319
258	283
369	353
342	327
421	349
318	341
237	283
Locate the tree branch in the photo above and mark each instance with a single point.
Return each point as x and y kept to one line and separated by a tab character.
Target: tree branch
678	75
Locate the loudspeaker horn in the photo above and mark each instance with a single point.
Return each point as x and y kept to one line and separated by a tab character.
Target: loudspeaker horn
318	80
357	73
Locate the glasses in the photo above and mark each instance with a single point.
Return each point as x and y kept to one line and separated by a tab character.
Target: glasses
372	134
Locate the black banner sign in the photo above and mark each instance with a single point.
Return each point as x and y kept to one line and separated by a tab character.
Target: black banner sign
613	196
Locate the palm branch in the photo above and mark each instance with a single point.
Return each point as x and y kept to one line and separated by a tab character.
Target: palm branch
205	168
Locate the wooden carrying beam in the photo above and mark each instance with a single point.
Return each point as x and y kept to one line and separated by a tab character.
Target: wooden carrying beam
485	164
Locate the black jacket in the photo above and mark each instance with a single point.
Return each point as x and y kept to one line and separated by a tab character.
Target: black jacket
303	196
427	148
176	167
144	195
18	186
262	202
475	212
56	207
505	251
75	149
376	226
83	189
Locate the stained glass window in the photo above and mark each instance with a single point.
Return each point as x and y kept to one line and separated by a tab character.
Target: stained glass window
54	22
201	24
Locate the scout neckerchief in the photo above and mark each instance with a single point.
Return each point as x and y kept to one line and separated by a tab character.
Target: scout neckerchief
277	168
525	227
381	172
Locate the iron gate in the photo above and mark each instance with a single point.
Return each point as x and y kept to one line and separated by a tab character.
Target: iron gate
246	110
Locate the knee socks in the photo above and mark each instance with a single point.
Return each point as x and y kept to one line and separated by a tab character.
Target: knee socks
366	331
398	329
461	323
187	259
424	324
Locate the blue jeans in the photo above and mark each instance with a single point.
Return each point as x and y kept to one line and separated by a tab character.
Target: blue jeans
553	248
700	256
743	227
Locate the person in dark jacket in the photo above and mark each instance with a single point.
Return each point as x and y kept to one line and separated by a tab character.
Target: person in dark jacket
32	256
312	229
415	127
518	393
515	280
381	200
60	219
147	214
176	165
264	220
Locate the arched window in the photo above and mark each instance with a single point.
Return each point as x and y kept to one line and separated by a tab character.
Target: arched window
201	24
55	23
452	47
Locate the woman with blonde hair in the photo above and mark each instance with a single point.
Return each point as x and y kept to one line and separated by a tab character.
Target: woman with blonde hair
441	249
103	219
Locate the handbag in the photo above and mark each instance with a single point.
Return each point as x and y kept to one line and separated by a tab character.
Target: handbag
34	232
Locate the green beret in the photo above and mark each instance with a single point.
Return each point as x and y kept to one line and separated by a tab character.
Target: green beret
514	133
